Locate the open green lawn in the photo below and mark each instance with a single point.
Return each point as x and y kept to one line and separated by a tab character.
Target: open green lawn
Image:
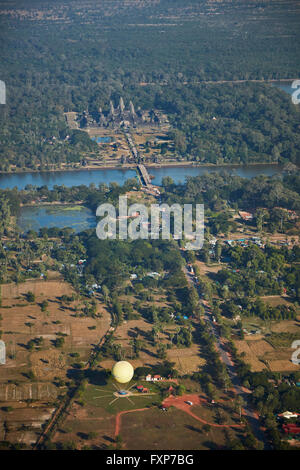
102	396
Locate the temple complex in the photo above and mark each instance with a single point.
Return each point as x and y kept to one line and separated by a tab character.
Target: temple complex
120	117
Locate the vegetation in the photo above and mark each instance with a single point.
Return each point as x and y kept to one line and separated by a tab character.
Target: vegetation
51	72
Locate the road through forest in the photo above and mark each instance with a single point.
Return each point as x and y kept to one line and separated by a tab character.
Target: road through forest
251	415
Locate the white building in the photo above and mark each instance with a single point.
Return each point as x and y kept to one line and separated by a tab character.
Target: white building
289	415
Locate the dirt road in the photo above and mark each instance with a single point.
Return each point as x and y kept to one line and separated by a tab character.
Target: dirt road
181	404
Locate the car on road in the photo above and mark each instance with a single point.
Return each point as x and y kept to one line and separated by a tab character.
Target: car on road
189	403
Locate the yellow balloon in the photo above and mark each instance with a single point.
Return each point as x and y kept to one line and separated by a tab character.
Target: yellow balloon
122	371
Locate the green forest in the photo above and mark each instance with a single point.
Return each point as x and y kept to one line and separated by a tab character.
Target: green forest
60	56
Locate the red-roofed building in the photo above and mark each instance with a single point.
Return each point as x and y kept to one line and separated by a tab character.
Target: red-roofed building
157	377
245	215
291	429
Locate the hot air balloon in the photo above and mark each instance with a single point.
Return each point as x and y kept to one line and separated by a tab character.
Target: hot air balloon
122	372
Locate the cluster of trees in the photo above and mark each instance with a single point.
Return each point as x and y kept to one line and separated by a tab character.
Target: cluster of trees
256	271
219	190
183	338
213	375
18	259
240	123
111	261
164	368
5	213
258	308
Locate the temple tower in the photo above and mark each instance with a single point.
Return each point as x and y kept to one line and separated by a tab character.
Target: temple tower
121	105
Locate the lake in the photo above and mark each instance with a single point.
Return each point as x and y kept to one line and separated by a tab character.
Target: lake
77	217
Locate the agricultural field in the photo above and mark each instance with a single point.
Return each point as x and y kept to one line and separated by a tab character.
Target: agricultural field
88	425
42	347
271	348
187	360
23	321
22	423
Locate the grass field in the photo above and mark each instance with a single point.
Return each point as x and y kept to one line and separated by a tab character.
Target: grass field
102	395
154	429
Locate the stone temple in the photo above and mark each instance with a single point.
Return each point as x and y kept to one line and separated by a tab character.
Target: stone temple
120	116
2	352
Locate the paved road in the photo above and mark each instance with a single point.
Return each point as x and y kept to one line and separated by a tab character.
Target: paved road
251	415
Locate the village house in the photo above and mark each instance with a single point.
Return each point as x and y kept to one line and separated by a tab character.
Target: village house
245	215
155	378
289	415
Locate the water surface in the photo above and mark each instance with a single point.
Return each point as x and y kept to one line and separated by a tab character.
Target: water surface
77	217
86	177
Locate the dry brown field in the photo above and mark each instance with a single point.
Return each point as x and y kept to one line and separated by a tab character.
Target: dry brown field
205	269
186	360
260	354
83	420
24	422
24	321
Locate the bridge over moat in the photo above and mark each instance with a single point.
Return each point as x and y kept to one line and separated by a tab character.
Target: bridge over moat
144	175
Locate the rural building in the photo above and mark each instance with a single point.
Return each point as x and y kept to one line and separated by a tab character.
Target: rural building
142	389
245	215
288	415
291	429
155	378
